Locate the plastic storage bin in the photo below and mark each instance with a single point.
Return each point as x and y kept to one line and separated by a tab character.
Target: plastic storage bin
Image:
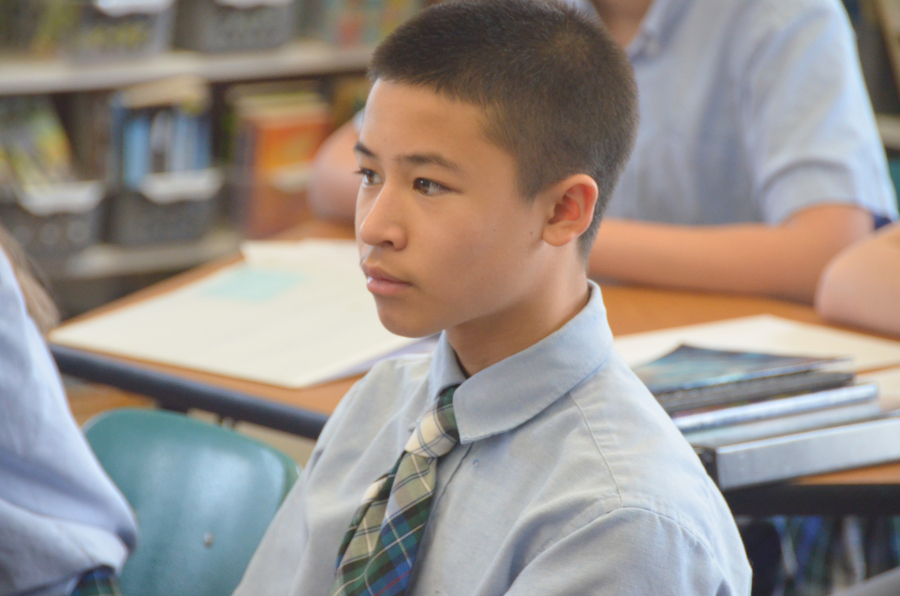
56	220
234	25
171	207
113	29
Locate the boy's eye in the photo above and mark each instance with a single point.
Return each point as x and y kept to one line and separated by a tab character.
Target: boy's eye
428	187
370	177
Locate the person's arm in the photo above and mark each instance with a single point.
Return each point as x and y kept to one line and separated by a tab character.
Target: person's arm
60	515
633	552
809	143
862	285
334	183
784	261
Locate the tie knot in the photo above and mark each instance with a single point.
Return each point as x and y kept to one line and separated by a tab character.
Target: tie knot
436	434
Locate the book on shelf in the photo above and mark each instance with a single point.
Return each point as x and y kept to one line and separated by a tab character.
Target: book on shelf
35	143
756	417
278	128
38	171
165	186
161	127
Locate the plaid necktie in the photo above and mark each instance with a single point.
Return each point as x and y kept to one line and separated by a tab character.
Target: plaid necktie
101	581
379	550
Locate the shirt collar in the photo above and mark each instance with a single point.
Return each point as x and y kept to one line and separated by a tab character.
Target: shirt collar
658	23
511	392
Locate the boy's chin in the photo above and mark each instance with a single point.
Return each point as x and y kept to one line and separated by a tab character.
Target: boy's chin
406	327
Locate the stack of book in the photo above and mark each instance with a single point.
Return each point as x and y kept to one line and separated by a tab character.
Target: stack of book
44	201
277	128
160	162
755	418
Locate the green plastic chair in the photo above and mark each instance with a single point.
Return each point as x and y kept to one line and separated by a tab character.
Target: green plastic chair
203	497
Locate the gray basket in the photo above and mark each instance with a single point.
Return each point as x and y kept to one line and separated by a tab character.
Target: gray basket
135	220
58	234
104	36
215	26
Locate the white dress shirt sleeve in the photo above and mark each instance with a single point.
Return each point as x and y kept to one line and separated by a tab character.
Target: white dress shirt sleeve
60	515
627	552
807	121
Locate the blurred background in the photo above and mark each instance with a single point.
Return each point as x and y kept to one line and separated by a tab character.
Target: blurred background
139	138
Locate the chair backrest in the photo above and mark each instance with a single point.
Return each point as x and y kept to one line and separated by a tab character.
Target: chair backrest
203	497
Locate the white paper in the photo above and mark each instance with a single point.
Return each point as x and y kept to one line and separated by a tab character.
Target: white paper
293	314
764	333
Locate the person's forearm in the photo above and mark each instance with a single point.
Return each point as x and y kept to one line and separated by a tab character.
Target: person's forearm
783	261
861	286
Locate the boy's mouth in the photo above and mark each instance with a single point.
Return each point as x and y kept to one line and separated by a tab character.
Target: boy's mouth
382	283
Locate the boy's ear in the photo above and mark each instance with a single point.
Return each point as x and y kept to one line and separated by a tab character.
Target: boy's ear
570	209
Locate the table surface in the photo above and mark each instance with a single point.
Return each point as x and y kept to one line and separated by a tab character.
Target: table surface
630	309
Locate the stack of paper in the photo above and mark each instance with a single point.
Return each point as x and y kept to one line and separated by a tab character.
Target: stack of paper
291	314
764	333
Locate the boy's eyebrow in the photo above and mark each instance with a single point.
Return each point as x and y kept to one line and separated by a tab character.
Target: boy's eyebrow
436	159
360	148
414	158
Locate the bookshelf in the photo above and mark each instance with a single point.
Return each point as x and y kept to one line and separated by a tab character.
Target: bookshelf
24	76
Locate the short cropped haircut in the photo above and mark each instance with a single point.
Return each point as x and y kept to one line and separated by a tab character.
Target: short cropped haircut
558	93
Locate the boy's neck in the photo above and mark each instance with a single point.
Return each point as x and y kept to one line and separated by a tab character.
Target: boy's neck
480	344
622	17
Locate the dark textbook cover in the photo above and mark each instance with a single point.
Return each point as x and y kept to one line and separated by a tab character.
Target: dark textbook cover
690	377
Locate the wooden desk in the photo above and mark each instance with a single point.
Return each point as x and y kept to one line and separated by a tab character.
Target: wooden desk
630	310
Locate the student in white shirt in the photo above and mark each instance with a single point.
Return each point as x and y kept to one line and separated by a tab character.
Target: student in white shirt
559	473
757	158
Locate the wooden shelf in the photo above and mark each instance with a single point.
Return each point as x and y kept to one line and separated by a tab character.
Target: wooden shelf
22	76
108	260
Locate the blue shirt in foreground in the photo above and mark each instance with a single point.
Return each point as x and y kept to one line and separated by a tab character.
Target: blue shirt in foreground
569	479
60	514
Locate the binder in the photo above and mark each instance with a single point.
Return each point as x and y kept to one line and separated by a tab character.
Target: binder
695	420
783	425
832	449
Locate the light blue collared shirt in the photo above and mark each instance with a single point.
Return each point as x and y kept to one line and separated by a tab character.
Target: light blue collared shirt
60	514
751	110
569	479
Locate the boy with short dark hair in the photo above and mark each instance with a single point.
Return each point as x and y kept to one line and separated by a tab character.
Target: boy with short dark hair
523	456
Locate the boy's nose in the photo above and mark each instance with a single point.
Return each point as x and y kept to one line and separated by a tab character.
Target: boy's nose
380	220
